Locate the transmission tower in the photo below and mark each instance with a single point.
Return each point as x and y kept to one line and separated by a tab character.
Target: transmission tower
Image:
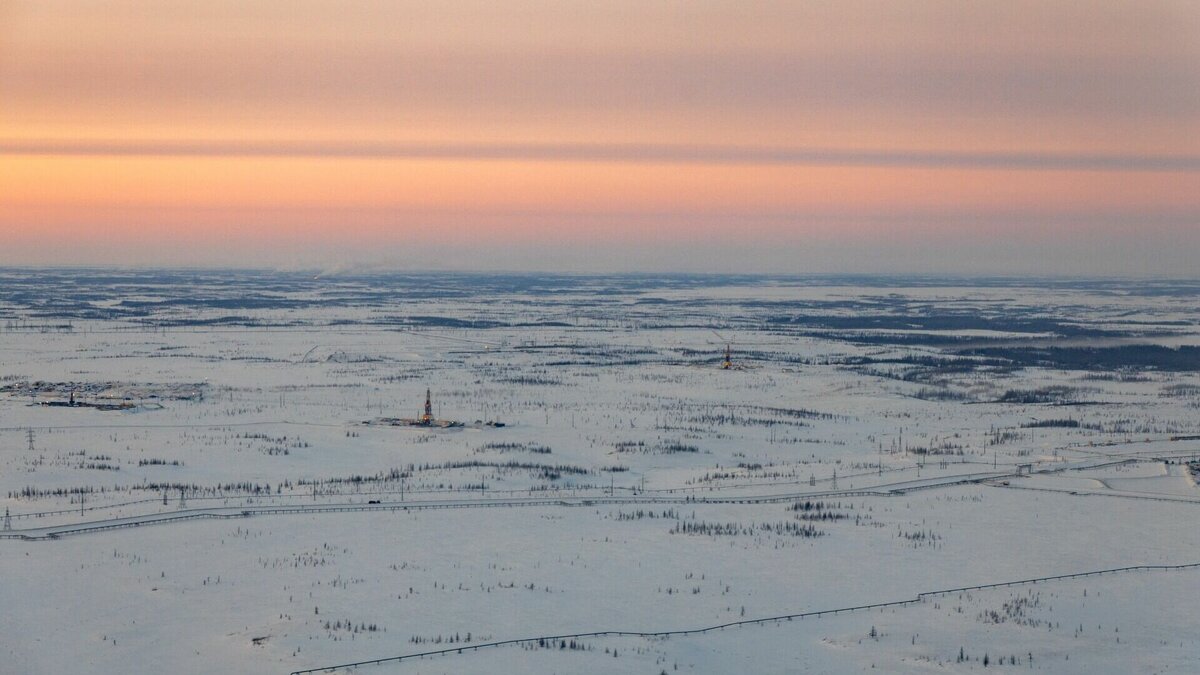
29	437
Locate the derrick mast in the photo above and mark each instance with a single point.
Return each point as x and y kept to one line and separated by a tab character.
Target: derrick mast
427	416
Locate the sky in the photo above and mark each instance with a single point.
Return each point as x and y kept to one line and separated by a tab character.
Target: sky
819	136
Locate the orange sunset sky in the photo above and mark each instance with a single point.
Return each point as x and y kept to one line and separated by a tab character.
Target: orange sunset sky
1007	136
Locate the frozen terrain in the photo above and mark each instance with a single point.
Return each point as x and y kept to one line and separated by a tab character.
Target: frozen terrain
197	476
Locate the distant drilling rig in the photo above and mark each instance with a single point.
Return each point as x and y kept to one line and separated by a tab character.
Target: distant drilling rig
427	417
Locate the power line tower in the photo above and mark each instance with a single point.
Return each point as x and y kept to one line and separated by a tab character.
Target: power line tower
29	437
7	520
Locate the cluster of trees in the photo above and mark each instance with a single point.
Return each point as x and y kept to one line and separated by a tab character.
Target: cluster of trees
818	511
791	529
509	446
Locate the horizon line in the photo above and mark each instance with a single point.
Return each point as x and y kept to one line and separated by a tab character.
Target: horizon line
370	270
640	153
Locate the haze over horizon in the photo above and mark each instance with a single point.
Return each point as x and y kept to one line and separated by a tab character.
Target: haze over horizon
1013	137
